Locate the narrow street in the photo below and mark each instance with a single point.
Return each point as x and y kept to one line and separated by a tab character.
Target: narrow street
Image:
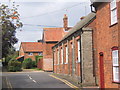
31	80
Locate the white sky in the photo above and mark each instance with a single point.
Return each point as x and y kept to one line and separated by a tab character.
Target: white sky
38	12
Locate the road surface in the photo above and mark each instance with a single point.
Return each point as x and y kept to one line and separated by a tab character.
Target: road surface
31	80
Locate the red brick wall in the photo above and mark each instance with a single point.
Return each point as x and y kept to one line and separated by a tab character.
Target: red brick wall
48	56
40	64
107	37
31	56
21	52
119	33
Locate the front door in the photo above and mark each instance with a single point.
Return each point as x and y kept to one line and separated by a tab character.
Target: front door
101	65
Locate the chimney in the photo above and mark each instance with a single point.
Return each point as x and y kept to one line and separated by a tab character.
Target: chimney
65	22
82	18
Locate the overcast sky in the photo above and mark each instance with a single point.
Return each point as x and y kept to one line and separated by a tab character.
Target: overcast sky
48	13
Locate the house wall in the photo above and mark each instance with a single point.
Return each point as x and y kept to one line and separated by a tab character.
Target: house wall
107	37
21	52
47	56
30	56
79	71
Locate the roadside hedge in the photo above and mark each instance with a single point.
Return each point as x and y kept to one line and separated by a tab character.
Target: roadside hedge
27	63
14	65
34	64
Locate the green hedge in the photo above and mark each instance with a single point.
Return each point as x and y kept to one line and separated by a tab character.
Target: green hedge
14	65
34	64
27	63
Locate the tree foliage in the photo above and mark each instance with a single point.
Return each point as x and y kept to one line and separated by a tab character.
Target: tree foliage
10	22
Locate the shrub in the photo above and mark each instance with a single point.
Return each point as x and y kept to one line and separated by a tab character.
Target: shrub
27	63
34	64
14	66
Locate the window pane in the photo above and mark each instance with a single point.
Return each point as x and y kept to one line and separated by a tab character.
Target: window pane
115	58
66	54
116	74
113	4
113	16
78	50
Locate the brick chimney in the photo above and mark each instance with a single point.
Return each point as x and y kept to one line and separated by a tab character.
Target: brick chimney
82	18
65	22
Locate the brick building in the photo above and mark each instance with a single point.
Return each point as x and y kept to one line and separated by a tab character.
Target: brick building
50	37
107	44
30	50
73	56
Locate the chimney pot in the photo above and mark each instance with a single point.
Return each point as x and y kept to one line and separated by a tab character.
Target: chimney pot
65	22
82	18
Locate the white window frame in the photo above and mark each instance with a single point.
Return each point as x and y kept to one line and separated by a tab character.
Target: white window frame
30	53
115	66
78	43
61	55
113	9
66	48
40	54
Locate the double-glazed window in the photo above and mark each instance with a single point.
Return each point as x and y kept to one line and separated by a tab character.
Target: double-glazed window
58	54
78	43
113	8
66	48
40	54
30	54
61	55
115	65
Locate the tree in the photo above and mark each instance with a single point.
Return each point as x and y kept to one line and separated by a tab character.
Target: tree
10	22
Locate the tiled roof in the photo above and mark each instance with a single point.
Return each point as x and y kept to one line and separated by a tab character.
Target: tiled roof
54	34
79	26
32	46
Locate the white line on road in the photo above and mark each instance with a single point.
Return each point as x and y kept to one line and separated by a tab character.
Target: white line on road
31	78
34	81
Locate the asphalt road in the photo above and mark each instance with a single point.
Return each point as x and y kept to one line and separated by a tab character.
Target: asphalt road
32	80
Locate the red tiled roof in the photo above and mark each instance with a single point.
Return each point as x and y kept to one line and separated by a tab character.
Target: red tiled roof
53	34
19	57
32	46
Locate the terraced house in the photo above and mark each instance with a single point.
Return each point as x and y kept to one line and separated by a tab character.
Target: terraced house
50	37
107	43
73	56
90	52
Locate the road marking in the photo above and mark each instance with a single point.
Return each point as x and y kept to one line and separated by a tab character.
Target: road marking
8	83
65	81
34	81
29	77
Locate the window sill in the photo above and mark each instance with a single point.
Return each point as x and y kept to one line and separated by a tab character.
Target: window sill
113	24
65	63
78	62
116	82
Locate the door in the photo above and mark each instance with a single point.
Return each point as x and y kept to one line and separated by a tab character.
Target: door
101	65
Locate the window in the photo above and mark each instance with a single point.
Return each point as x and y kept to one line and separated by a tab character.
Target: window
58	56
61	56
78	42
115	65
66	54
30	53
113	8
40	54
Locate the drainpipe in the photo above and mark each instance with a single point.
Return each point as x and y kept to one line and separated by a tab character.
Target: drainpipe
53	60
80	58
